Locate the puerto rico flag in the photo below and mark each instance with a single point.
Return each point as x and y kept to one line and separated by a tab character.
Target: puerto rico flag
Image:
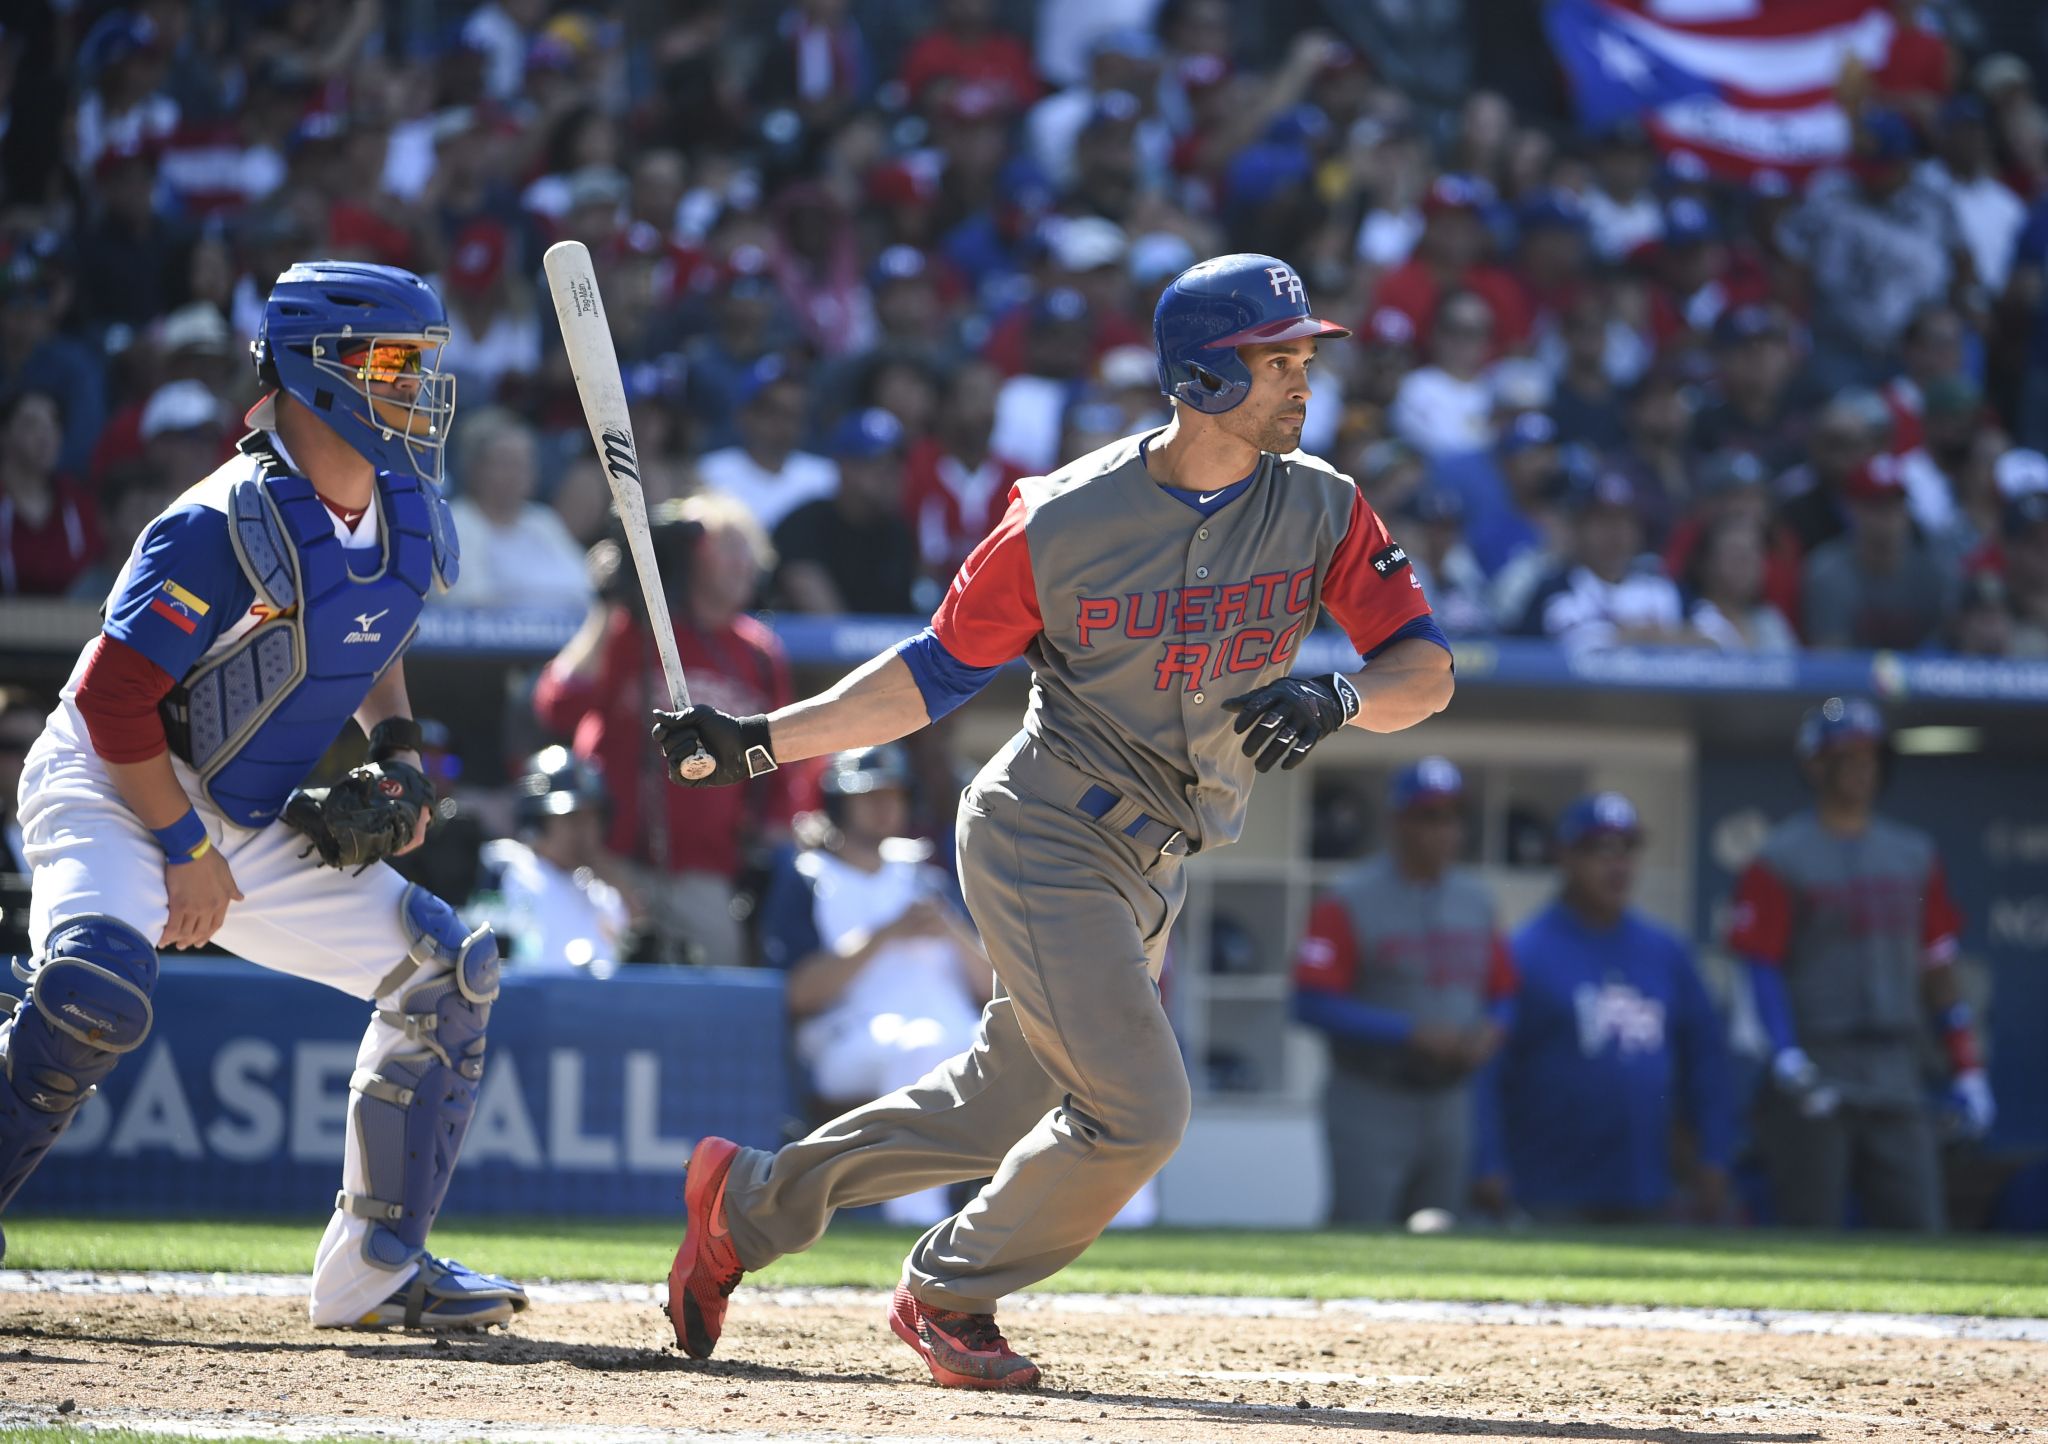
1745	85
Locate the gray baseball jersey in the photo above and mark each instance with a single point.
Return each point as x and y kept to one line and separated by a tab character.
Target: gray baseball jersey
1852	922
1140	615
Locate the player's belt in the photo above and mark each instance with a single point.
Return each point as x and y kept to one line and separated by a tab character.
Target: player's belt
1144	829
1026	761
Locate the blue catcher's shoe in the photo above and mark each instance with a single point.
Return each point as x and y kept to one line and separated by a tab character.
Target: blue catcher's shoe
445	1295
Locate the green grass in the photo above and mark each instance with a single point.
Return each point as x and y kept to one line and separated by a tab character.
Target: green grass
1998	1276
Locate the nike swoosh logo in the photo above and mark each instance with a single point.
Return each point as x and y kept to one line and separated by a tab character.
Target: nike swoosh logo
1205	500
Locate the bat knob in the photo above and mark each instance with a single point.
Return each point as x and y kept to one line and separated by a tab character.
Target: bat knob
697	767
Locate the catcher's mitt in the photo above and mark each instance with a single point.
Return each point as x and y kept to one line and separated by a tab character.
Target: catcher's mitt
365	817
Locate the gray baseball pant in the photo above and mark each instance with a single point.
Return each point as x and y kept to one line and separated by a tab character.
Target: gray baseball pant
1072	1095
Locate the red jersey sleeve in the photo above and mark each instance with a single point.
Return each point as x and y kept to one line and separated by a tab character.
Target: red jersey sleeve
1326	958
1941	922
990	612
1370	589
118	696
1760	925
1502	981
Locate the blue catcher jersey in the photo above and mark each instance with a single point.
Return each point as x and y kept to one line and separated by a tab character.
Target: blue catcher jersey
275	630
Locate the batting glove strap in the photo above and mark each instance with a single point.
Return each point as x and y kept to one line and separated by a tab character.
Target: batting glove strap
1282	720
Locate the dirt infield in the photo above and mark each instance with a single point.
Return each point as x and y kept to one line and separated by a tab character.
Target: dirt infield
824	1368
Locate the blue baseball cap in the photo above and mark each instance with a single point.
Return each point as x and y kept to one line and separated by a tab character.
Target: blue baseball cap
1838	720
1531	428
1688	223
1552	209
1595	814
897	263
865	435
1432	779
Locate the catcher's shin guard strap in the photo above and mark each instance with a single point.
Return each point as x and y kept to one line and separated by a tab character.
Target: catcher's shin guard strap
411	1111
88	1004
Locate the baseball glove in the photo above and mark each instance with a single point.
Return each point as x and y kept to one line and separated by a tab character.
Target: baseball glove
365	817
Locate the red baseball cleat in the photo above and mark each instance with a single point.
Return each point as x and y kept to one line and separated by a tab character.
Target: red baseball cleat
963	1351
707	1267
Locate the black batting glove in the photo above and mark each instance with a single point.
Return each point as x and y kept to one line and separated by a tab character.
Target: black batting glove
737	747
1282	720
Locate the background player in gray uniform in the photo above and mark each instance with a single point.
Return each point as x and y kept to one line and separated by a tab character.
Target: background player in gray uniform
1159	588
1405	971
1851	936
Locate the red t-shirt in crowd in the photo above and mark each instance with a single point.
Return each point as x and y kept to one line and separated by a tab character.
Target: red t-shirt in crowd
43	558
739	669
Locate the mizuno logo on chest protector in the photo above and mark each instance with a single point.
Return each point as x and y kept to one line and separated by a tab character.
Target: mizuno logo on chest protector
364	622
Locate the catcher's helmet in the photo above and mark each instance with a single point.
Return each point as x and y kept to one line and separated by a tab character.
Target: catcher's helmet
1209	310
1837	720
319	342
557	782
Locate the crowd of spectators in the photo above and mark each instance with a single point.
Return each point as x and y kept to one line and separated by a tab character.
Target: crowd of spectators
870	260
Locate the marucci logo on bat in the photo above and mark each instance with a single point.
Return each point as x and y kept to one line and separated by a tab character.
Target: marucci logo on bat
619	457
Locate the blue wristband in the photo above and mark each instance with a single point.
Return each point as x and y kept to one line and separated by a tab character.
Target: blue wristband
184	840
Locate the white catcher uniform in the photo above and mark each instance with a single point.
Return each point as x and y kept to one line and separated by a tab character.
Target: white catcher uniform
273	619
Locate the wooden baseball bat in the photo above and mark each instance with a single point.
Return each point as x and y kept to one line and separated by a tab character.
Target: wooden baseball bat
595	364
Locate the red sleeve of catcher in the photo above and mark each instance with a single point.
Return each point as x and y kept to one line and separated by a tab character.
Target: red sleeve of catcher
118	697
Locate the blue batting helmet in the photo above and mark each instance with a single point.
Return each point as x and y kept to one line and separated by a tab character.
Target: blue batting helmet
1837	720
1208	311
359	345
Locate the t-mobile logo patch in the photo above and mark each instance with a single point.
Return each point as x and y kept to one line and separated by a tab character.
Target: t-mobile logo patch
1285	282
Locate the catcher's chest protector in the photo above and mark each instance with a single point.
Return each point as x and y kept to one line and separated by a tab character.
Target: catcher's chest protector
256	718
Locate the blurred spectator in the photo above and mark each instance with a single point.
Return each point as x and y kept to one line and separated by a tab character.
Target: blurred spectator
816	64
1951	409
35	353
1608	593
1451	257
1123	68
1655	458
816	266
1697	278
853	551
1500	492
1550	261
1732	486
49	525
493	324
965	47
1615	1054
503	32
1431	529
131	496
1446	407
1931	347
1587	406
138	259
1878	244
1031	405
685	851
191	345
540	890
1725	590
1846	922
1404	970
1983	623
1988	216
886	976
123	106
1848	433
515	550
2024	549
1879	585
731	360
1751	407
957	487
767	473
1622	211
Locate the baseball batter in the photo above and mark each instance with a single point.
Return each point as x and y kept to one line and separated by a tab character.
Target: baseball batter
1159	588
160	807
1850	933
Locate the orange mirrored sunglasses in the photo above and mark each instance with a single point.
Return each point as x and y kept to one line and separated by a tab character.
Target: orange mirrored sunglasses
386	361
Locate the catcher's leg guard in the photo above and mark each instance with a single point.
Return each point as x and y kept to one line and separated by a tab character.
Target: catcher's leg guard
410	1113
87	1004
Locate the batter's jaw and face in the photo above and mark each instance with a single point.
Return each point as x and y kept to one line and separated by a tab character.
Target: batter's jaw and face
1270	418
